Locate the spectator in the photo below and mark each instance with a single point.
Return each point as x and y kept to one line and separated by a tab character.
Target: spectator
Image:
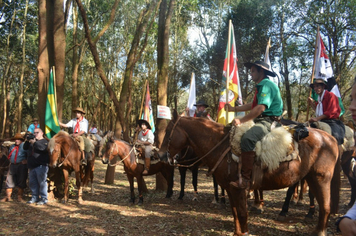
17	174
37	163
34	125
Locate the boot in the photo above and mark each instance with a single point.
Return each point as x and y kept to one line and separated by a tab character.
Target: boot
147	166
20	195
247	160
8	195
83	161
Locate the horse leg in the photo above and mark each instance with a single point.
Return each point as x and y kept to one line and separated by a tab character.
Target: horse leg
182	172
283	214
195	181
66	184
216	191
169	175
80	189
303	188
139	184
132	188
234	206
311	211
258	203
353	191
91	172
222	200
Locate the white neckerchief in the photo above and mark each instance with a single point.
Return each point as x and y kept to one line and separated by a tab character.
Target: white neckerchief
319	107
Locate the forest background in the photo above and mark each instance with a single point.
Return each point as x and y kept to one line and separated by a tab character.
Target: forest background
104	51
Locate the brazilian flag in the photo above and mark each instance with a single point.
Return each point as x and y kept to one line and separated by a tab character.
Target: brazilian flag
51	118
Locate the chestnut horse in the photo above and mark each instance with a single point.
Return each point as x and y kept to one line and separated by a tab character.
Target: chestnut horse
65	154
210	141
126	153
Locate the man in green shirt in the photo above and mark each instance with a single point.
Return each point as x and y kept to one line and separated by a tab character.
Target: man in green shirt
267	106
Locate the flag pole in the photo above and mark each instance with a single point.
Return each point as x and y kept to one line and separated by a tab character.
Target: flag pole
228	72
313	70
190	88
143	97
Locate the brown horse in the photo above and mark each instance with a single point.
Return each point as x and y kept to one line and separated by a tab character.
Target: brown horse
318	157
65	154
126	153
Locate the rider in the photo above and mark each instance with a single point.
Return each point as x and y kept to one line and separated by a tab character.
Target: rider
80	127
146	138
327	109
267	106
201	109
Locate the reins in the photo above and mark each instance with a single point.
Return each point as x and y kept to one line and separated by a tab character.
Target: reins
65	156
118	162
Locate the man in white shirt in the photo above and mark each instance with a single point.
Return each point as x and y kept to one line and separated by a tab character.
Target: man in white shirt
80	127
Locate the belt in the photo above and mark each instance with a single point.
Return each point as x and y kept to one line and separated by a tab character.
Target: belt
273	118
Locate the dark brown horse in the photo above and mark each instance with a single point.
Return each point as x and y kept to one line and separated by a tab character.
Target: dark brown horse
126	153
318	157
65	154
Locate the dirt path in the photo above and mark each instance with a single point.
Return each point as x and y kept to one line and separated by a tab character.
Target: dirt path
108	212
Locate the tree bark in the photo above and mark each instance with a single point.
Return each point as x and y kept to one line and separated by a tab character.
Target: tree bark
164	24
19	120
43	63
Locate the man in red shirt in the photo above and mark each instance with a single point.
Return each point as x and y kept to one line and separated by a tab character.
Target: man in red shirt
327	109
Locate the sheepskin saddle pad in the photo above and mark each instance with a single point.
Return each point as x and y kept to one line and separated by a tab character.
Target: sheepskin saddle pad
276	147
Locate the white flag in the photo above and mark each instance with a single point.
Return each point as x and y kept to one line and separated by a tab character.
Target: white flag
267	53
192	97
323	69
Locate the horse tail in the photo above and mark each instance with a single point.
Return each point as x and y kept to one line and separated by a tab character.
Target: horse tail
335	187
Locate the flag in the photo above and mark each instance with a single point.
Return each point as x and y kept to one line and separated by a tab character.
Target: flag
234	90
147	110
267	53
192	97
51	118
323	70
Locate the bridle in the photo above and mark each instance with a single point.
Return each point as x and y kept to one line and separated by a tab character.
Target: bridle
59	154
116	149
197	159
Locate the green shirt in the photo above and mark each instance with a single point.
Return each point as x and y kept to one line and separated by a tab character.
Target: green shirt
268	94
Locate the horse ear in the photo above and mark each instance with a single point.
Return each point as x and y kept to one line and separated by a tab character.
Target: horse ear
175	115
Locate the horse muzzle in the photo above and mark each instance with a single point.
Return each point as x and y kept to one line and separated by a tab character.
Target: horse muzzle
104	160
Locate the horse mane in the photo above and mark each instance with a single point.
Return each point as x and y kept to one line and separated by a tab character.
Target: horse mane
52	141
217	127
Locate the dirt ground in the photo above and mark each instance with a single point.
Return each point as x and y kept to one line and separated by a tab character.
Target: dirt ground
109	212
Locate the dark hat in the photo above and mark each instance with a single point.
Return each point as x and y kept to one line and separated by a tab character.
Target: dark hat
34	119
201	103
319	81
17	136
140	122
79	109
262	65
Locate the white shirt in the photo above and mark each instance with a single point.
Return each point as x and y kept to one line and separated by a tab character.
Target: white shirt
83	124
149	137
93	130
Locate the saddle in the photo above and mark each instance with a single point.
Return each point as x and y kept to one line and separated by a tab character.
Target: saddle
140	153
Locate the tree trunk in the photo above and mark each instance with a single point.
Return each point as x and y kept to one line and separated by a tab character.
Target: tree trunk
164	24
59	43
43	63
19	120
75	63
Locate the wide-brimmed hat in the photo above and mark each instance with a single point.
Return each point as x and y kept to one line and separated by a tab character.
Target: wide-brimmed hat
140	122
17	136
262	65
201	103
34	119
79	109
319	81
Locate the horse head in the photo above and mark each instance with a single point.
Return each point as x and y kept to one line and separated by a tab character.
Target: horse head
174	140
103	142
54	150
107	151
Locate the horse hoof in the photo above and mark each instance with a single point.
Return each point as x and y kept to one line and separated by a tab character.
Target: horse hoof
308	219
281	218
140	203
195	199
256	210
80	201
300	203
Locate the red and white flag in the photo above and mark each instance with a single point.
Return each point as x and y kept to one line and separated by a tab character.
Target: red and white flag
192	97
323	69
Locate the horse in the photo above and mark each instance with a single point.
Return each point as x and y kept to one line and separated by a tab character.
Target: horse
317	163
65	154
188	157
4	162
126	152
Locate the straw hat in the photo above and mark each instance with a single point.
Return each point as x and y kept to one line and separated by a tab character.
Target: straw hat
201	103
34	119
262	65
17	136
80	110
319	81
